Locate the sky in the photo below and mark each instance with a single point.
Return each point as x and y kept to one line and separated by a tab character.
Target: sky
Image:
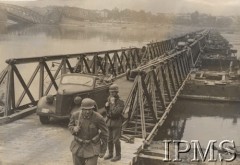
214	7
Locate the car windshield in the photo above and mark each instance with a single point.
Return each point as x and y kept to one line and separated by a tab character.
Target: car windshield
76	79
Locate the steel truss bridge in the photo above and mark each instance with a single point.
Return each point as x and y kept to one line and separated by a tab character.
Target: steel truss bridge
153	93
25	15
22	14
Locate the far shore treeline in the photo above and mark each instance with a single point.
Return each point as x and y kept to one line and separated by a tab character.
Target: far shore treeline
58	14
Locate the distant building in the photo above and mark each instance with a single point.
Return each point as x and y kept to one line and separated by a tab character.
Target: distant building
102	13
185	16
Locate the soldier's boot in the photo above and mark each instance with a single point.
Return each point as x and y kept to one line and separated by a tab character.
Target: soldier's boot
110	150
118	152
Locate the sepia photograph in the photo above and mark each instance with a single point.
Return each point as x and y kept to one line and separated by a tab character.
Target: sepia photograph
119	82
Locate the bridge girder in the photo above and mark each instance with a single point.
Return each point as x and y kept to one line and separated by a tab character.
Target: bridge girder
174	67
21	14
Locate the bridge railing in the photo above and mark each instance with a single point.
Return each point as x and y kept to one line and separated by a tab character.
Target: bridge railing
155	90
160	49
24	85
152	92
35	83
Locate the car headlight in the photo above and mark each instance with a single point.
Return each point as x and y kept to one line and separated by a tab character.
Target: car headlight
44	110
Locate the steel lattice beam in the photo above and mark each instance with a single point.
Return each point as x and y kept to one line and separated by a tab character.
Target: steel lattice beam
114	62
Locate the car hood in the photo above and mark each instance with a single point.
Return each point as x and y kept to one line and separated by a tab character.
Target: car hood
70	89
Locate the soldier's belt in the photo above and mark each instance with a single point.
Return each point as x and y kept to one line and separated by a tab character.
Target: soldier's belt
95	139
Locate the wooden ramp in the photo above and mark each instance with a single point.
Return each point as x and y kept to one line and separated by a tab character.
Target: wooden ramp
128	151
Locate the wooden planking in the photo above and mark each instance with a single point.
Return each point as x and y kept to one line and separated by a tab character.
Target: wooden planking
128	151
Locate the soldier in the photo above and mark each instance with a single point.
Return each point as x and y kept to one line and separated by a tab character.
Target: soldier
50	99
90	134
114	107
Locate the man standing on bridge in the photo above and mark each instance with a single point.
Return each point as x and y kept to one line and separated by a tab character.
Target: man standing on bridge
90	134
114	107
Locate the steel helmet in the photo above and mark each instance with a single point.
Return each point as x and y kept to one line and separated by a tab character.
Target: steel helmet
50	98
88	103
113	88
77	100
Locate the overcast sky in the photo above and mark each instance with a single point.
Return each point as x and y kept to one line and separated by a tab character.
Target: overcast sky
214	7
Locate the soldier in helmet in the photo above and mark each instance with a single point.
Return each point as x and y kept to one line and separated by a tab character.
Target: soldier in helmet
50	99
90	134
114	107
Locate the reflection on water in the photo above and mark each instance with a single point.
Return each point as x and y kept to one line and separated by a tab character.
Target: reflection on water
29	41
41	40
82	33
203	121
131	34
234	39
188	120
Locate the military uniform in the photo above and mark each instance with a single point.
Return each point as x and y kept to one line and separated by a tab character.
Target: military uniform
114	123
91	140
114	113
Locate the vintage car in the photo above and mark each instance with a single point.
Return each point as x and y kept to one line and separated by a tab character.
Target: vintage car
72	85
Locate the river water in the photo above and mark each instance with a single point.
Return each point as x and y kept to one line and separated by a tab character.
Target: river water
31	41
190	120
18	41
205	121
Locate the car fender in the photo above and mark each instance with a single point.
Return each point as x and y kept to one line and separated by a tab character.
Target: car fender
42	105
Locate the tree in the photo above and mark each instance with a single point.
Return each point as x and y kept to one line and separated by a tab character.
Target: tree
115	13
195	18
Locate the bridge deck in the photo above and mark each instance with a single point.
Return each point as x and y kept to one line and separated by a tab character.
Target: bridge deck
27	141
124	87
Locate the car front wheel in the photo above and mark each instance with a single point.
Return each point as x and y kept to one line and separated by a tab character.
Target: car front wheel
44	119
